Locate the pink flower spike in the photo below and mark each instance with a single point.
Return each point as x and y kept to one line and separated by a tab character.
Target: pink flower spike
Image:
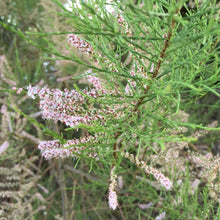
113	202
54	149
79	44
112	196
164	181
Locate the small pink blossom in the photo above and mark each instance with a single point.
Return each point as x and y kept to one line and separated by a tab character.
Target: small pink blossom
128	89
132	73
32	91
165	35
152	68
19	90
3	109
120	20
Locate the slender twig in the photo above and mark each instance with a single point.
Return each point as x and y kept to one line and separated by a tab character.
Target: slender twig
63	191
122	214
51	198
81	173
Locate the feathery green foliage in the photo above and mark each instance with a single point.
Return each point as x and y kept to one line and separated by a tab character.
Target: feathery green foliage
158	64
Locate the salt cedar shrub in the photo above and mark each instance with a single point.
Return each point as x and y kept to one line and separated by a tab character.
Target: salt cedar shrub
146	65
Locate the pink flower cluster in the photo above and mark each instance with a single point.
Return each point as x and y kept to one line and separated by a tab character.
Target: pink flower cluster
112	196
73	148
164	181
66	106
79	44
